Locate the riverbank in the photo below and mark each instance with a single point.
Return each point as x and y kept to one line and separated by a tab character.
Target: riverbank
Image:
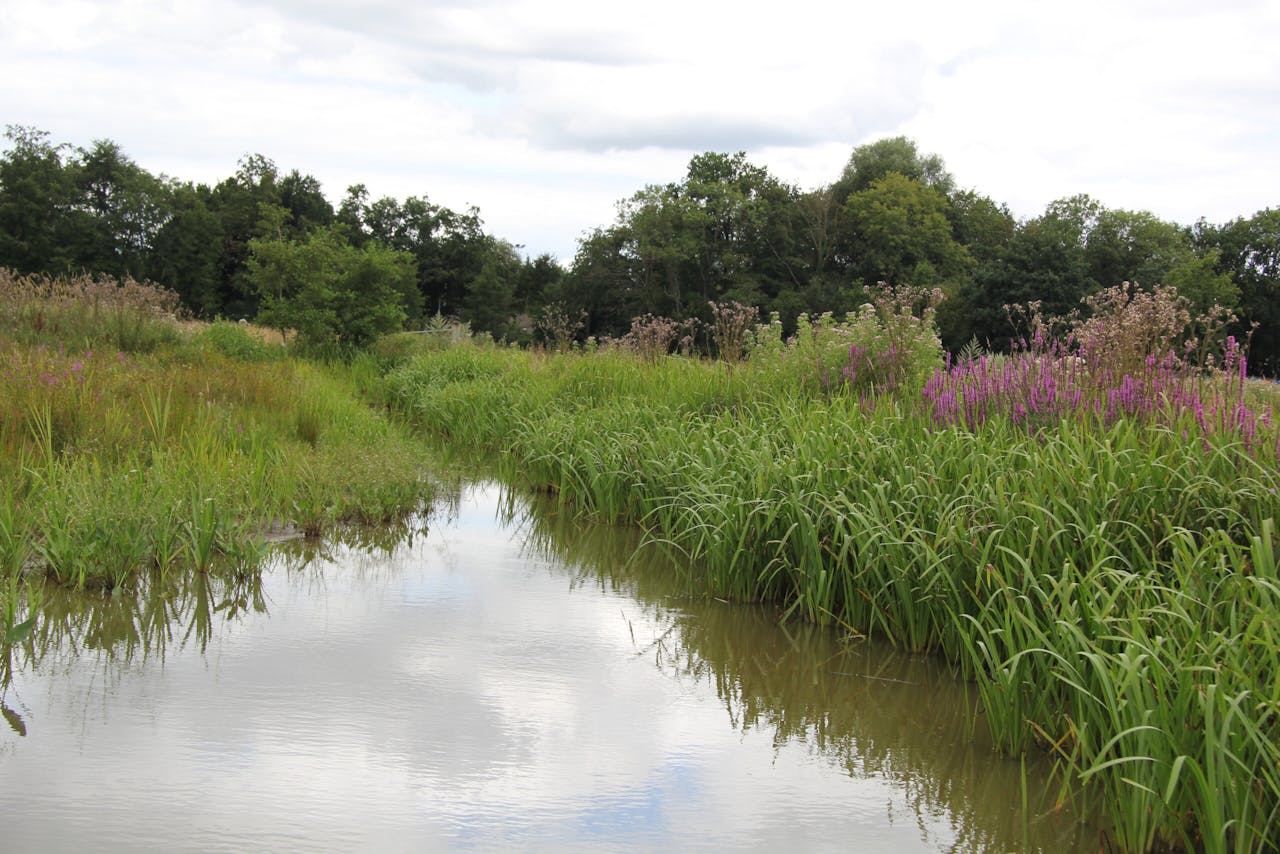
1109	582
131	443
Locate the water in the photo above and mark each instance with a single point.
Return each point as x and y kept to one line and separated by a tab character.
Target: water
507	680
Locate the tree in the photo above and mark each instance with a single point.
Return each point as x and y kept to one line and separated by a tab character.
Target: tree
36	195
727	230
238	203
1197	278
302	197
872	162
900	233
449	247
981	226
328	291
1134	246
1043	262
1073	218
187	250
537	283
491	299
602	282
1250	254
376	293
741	214
664	236
118	208
350	214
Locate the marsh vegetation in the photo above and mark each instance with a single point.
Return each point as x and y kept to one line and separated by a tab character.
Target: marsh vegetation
1084	529
133	446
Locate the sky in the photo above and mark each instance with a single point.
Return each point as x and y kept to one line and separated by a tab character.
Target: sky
545	114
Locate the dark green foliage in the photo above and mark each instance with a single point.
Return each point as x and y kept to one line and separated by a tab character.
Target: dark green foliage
35	201
901	234
872	162
329	292
1043	262
188	252
725	230
1251	255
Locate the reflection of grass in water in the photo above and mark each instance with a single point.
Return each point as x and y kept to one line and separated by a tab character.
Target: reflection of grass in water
868	708
162	609
124	630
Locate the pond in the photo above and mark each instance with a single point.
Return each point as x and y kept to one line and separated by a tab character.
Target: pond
496	677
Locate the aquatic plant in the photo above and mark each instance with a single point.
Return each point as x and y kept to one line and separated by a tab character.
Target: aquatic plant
1107	582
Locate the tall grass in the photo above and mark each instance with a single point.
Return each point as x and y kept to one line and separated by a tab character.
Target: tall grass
179	448
1108	583
81	310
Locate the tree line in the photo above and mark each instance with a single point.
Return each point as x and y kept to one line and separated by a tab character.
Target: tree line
269	245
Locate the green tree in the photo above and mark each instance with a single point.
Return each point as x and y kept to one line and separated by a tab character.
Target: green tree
36	195
664	233
1134	246
1199	280
303	198
538	283
1250	254
983	227
187	251
117	211
742	227
900	234
491	298
1044	262
329	291
602	282
350	215
238	203
728	230
1073	218
872	162
449	247
376	293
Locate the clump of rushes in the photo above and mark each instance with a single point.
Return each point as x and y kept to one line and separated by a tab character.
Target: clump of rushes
1109	583
118	462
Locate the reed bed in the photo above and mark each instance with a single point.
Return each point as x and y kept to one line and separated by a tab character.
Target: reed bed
182	450
1109	583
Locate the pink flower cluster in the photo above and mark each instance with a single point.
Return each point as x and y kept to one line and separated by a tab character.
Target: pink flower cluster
1043	386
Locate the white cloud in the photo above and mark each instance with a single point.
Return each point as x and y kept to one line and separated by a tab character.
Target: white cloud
545	114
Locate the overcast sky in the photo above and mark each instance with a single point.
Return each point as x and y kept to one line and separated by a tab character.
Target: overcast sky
545	114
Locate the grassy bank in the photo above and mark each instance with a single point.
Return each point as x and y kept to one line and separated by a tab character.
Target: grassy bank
1098	557
132	444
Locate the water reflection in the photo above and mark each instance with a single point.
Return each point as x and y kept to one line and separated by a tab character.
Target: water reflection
512	679
868	708
129	628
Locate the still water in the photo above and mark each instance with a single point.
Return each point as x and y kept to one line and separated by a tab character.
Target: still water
499	678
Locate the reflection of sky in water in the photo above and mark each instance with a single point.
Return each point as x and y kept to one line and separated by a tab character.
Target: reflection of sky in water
454	696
